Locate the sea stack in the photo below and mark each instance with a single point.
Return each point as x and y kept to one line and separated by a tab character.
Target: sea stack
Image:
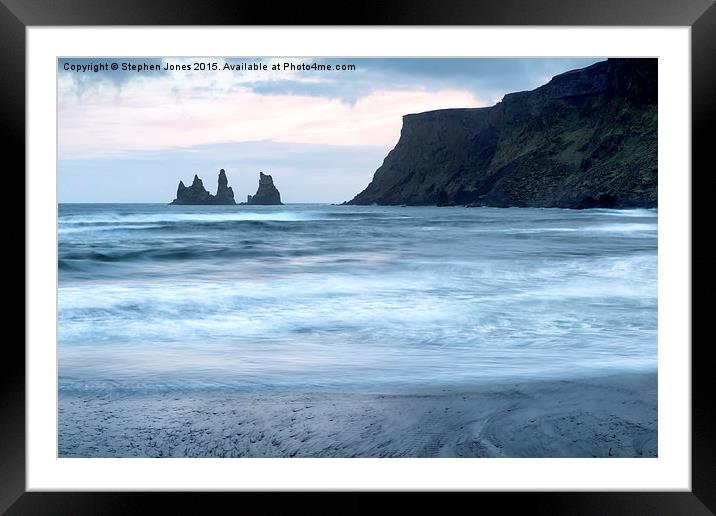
197	194
267	194
224	193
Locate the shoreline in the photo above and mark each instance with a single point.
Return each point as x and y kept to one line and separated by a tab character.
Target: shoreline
606	416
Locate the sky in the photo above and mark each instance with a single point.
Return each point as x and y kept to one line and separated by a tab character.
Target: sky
131	134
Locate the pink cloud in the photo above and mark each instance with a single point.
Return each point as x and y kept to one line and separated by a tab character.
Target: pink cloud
155	114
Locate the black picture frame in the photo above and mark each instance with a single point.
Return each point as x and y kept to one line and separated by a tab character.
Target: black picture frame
700	15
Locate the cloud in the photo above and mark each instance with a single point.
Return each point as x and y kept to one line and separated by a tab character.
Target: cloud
485	77
179	109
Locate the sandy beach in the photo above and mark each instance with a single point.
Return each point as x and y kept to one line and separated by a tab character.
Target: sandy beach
613	416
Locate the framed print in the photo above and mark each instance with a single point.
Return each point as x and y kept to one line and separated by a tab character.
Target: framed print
451	255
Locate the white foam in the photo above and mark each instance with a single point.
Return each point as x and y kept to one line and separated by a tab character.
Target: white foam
108	218
111	227
622	228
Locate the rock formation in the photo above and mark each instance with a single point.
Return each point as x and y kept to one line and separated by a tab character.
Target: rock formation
587	138
197	194
267	192
224	193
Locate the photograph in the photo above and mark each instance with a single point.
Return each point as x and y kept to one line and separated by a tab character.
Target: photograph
310	257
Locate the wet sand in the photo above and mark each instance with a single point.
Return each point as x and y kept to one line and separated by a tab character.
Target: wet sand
613	416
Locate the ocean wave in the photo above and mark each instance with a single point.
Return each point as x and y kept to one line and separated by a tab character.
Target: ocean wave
622	228
455	306
74	258
82	228
158	218
254	296
633	212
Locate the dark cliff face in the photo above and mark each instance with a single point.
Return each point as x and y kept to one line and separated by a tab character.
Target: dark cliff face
267	194
586	139
197	194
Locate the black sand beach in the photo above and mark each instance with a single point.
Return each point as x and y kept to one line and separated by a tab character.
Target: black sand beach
613	416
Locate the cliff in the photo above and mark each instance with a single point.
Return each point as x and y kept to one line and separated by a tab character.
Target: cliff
197	194
587	138
267	193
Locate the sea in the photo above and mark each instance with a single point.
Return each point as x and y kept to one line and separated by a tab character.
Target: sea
158	298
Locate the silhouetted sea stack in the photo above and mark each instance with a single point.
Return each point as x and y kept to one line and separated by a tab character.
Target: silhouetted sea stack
267	194
197	194
586	139
224	193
